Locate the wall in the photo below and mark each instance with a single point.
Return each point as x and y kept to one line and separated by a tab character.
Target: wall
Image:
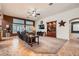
61	32
1	16
7	20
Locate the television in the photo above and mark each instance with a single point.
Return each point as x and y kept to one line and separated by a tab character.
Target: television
41	26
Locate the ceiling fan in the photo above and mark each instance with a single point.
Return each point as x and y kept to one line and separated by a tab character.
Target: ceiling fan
50	4
33	12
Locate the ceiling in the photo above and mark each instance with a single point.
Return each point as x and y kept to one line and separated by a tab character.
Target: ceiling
20	9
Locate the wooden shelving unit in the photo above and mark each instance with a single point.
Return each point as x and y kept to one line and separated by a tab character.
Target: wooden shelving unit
51	28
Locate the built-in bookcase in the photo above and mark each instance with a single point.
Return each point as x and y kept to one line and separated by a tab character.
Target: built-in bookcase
51	28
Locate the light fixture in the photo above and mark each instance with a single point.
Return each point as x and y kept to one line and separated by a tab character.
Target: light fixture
7	26
33	12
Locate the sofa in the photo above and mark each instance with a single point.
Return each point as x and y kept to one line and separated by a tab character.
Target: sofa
25	36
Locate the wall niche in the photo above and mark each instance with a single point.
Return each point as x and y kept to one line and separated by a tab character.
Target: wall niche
74	28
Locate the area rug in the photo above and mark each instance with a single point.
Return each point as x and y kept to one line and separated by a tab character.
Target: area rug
47	45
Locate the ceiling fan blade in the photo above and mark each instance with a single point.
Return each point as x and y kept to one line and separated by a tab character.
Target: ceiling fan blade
50	4
38	14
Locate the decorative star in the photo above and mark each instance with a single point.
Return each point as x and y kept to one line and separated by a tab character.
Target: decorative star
62	23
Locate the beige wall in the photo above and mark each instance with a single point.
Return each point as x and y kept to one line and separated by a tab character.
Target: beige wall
62	32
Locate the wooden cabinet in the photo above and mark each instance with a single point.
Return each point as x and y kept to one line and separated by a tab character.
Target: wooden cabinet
51	29
52	34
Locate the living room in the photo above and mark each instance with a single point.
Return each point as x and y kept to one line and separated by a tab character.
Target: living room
50	29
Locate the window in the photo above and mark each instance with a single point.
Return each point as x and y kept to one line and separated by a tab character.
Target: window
29	23
28	26
17	25
18	21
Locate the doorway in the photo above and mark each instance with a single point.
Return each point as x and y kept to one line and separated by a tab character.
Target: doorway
51	29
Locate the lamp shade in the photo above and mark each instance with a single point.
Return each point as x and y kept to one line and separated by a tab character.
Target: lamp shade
7	26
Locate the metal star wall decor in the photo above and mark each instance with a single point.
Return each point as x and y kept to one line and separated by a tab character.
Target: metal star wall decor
62	23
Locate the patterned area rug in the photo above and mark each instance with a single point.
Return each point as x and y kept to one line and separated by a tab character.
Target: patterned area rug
47	45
